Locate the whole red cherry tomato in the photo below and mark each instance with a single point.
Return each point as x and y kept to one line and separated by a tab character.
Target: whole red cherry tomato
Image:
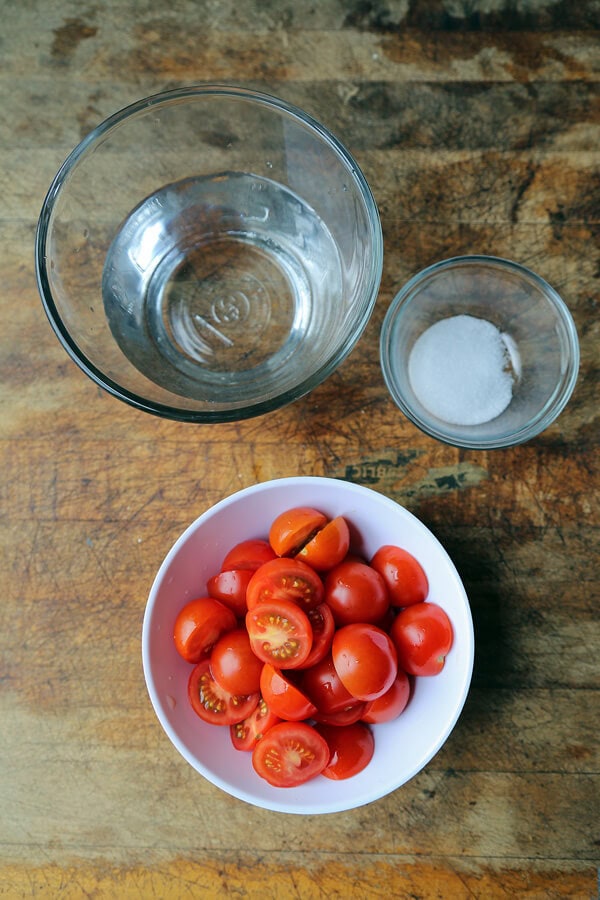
356	593
293	528
198	626
212	703
234	666
423	636
285	579
290	754
365	659
404	576
351	749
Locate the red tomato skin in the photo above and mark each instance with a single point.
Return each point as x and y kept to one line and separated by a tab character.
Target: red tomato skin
229	587
404	575
250	554
322	684
365	659
355	592
214	705
389	706
246	734
198	625
280	633
287	579
291	529
282	697
328	547
423	636
323	629
233	664
347	716
290	754
351	749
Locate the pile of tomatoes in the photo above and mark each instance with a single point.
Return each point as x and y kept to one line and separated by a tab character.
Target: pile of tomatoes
300	646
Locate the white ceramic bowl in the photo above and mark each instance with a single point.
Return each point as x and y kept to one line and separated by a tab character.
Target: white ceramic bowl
402	747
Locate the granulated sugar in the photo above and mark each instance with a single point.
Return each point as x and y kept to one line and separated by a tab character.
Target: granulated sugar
462	370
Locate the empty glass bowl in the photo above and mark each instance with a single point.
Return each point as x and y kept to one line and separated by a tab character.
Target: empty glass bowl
479	352
209	253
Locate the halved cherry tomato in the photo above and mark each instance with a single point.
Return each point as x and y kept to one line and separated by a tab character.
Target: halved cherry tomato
244	735
351	749
212	703
323	628
391	704
249	554
404	575
290	754
229	587
356	593
287	579
234	666
280	633
347	716
291	529
282	697
328	547
423	636
324	687
199	625
365	659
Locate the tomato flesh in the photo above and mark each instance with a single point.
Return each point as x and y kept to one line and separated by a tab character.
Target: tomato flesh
214	705
323	629
293	528
246	734
328	547
279	633
285	579
290	753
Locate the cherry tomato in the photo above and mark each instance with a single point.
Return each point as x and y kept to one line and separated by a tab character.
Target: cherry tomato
229	587
356	593
282	697
351	749
423	636
328	547
365	659
323	628
245	734
404	576
212	703
391	704
199	625
324	687
287	579
249	554
293	528
290	754
233	665
355	712
280	633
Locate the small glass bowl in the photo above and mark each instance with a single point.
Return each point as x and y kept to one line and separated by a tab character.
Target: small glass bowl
501	363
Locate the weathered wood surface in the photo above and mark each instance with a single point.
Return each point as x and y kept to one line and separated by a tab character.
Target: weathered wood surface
478	128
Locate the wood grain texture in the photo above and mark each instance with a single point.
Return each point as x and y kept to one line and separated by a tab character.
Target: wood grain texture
477	125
